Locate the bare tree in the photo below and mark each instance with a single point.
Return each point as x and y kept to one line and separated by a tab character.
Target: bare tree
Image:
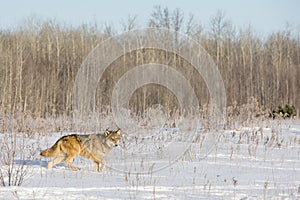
39	62
130	23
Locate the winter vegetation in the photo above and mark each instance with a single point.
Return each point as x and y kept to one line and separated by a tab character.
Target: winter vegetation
39	62
255	154
251	158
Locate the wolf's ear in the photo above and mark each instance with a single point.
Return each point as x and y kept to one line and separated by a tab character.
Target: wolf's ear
118	132
107	132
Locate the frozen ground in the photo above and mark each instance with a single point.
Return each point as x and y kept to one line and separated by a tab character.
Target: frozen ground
245	163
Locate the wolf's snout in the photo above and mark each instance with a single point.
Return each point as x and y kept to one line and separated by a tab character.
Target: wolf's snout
116	145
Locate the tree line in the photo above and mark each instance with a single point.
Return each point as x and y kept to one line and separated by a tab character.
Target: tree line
39	61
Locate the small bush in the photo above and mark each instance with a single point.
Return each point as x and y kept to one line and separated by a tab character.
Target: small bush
288	111
14	161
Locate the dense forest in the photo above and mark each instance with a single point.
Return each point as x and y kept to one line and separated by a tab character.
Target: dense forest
39	61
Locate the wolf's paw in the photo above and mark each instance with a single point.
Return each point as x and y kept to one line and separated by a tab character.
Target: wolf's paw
75	169
102	169
48	165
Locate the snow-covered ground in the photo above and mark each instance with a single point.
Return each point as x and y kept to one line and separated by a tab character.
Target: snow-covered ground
244	163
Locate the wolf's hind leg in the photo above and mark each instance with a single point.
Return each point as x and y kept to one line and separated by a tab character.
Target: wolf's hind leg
57	160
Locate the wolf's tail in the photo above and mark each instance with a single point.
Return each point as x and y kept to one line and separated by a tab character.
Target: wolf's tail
51	151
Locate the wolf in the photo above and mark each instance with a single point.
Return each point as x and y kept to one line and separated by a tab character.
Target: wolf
92	146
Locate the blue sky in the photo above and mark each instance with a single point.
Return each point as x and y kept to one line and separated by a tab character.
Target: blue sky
264	15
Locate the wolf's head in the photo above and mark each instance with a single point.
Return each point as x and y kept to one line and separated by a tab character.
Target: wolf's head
113	137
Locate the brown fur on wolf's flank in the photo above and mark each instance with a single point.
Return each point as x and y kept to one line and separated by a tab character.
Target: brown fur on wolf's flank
93	147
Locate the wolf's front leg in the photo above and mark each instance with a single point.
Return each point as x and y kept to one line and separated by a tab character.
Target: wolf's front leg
57	160
96	166
103	164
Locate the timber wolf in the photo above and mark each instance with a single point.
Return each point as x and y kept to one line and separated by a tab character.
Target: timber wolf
93	146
